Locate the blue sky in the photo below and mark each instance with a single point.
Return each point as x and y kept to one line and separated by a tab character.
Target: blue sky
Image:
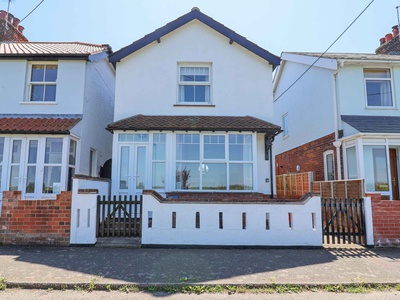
284	25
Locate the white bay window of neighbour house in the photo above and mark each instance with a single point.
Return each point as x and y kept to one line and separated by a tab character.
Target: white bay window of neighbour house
52	166
378	85
351	157
194	85
375	168
214	162
71	162
35	165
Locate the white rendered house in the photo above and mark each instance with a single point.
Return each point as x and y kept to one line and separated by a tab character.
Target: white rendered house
55	101
344	109
193	111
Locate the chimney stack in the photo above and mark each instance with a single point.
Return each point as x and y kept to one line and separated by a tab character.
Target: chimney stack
10	30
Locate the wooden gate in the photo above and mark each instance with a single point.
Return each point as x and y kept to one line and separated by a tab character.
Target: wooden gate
119	216
343	221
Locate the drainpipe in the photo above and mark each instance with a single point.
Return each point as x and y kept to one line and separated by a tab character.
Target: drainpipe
336	143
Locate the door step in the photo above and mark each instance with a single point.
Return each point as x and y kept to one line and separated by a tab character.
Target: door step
118	242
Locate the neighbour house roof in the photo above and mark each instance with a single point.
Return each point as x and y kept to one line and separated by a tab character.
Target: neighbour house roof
53	49
373	124
195	14
37	125
195	123
350	56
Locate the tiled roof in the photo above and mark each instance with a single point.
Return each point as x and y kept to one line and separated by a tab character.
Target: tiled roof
37	125
195	13
351	56
51	49
195	123
373	124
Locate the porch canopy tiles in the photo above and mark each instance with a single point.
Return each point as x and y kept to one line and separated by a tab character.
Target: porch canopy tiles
195	123
38	124
373	124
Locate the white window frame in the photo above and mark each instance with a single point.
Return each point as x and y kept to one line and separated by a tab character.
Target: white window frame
285	125
326	153
30	83
225	160
390	80
195	83
38	194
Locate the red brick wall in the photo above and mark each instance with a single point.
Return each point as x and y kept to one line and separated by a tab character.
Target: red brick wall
386	221
310	158
35	222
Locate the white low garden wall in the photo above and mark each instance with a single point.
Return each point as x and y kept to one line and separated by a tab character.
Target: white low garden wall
243	224
83	209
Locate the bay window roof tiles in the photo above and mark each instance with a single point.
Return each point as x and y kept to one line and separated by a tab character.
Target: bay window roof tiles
37	125
195	123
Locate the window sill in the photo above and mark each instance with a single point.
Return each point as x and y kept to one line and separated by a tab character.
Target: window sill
193	105
381	108
38	103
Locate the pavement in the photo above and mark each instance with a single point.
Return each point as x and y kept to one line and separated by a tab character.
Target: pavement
52	267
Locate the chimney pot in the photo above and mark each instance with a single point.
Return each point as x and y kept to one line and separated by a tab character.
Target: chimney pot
16	22
21	28
388	37
395	30
3	14
10	18
382	41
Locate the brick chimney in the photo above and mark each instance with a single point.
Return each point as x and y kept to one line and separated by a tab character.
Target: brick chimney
10	30
390	43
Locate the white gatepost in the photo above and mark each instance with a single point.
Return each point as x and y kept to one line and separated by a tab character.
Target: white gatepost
84	209
369	226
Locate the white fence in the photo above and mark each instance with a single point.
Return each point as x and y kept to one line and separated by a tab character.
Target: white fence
231	224
83	210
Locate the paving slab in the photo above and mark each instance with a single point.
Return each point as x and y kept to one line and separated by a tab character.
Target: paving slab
80	265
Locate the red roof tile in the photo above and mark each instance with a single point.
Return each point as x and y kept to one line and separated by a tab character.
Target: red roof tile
37	125
195	123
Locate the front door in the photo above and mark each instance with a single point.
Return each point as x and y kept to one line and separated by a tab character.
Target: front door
394	174
132	169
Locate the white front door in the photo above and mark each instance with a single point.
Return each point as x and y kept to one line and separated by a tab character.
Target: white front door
133	169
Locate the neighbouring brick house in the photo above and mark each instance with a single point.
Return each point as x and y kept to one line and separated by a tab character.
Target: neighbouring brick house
193	108
341	120
56	99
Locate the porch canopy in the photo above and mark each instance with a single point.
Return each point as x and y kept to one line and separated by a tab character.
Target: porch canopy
373	124
195	123
41	124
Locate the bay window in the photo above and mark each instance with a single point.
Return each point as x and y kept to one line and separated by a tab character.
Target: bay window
52	166
375	168
159	158
214	162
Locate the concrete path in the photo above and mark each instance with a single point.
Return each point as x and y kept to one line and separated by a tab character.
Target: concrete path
80	265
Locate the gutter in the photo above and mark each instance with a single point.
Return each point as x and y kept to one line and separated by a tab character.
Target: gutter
336	143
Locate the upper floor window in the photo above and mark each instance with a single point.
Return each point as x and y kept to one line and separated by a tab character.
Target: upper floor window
285	125
194	85
378	84
42	85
